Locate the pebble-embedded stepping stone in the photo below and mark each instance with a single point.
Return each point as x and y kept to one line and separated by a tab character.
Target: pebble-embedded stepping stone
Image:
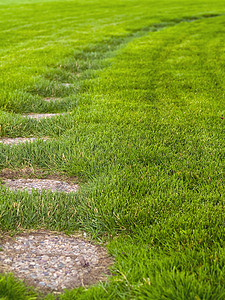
19	140
52	99
54	261
42	116
40	184
67	84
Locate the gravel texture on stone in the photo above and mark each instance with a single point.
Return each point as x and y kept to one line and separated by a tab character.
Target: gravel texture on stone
18	140
42	116
53	261
40	184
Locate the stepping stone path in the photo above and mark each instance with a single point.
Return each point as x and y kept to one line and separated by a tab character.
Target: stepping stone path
40	184
49	261
41	116
53	261
16	141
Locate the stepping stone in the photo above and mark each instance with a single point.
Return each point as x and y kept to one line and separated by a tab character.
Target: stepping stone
52	99
53	261
42	116
40	184
18	140
67	84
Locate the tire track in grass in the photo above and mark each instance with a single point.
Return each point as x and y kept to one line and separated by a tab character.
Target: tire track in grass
157	28
109	47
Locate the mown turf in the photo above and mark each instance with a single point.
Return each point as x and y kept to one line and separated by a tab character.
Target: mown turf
144	133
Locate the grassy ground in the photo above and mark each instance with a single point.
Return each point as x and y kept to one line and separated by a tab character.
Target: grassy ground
144	133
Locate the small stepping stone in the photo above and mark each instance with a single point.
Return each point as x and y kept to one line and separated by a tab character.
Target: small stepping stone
42	116
53	261
16	141
40	184
52	99
67	84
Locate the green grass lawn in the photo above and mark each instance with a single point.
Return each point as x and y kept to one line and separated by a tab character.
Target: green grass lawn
144	134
